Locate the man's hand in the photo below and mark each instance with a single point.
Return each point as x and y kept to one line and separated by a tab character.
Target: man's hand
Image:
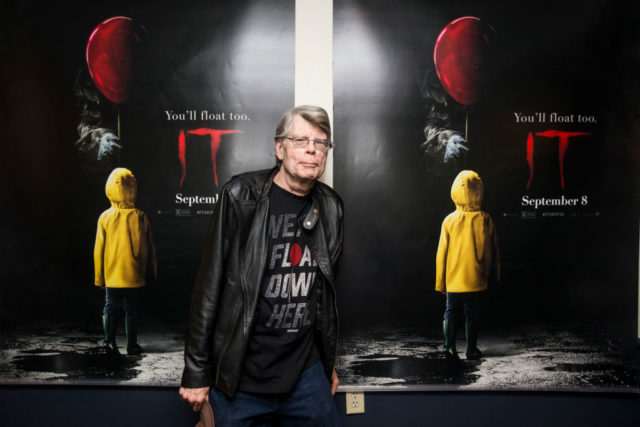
194	396
334	382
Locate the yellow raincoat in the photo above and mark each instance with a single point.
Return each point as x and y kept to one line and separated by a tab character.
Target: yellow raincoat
124	243
468	248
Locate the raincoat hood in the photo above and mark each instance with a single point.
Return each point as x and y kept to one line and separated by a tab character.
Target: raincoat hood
467	191
122	189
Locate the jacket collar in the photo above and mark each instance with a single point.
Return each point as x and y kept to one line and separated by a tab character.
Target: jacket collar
262	189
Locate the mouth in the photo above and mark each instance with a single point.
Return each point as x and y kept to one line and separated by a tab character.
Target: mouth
309	165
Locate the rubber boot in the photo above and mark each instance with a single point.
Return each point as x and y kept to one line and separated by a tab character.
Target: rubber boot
109	326
449	329
133	348
473	353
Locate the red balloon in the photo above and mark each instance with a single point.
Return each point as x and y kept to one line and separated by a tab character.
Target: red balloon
462	56
112	51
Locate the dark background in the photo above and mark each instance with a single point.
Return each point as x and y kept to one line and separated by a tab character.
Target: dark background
550	56
230	56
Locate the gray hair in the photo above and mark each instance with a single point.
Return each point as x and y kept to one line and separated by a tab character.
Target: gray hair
315	115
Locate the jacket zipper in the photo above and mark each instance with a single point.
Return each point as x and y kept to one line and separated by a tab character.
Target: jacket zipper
335	303
335	309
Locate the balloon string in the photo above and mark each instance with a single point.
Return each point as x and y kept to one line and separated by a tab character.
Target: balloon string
119	139
466	125
466	133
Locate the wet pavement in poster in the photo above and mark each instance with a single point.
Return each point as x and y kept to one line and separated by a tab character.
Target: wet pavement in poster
74	355
546	359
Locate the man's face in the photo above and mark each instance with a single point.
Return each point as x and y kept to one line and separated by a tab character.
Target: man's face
302	163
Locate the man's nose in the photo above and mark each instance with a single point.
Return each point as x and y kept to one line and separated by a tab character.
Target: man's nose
311	146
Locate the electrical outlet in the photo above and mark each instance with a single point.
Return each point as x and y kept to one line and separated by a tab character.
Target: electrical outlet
355	402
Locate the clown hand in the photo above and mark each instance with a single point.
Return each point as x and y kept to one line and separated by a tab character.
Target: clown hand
108	145
454	145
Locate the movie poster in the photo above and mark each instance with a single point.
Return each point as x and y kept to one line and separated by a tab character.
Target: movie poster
187	95
540	99
182	95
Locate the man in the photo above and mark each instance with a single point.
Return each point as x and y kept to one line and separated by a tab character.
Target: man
263	322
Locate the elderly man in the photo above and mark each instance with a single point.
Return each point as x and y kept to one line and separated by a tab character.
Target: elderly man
263	322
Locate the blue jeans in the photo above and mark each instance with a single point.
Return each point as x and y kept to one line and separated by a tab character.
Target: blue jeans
309	404
121	298
467	301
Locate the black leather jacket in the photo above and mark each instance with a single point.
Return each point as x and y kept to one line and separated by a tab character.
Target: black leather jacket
227	287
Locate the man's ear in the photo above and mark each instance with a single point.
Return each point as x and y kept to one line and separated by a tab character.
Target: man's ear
279	149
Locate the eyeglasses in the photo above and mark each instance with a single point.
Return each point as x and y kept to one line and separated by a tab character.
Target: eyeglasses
303	141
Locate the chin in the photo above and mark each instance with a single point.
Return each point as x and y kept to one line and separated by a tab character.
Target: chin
309	175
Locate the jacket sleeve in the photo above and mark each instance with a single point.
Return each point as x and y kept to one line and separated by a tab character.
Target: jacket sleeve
441	259
206	292
98	253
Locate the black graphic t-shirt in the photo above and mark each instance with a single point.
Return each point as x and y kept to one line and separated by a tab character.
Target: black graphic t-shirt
282	344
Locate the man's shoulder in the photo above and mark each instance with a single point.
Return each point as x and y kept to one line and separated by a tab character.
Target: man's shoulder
261	174
326	191
247	184
328	195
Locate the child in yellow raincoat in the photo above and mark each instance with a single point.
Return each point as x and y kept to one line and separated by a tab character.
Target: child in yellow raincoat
123	253
466	261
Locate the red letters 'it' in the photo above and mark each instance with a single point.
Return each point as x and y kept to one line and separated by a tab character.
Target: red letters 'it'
215	136
562	149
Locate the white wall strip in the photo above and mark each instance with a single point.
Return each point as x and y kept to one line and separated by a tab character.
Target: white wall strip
314	60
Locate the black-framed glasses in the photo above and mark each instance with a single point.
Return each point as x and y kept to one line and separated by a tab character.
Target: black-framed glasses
303	141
